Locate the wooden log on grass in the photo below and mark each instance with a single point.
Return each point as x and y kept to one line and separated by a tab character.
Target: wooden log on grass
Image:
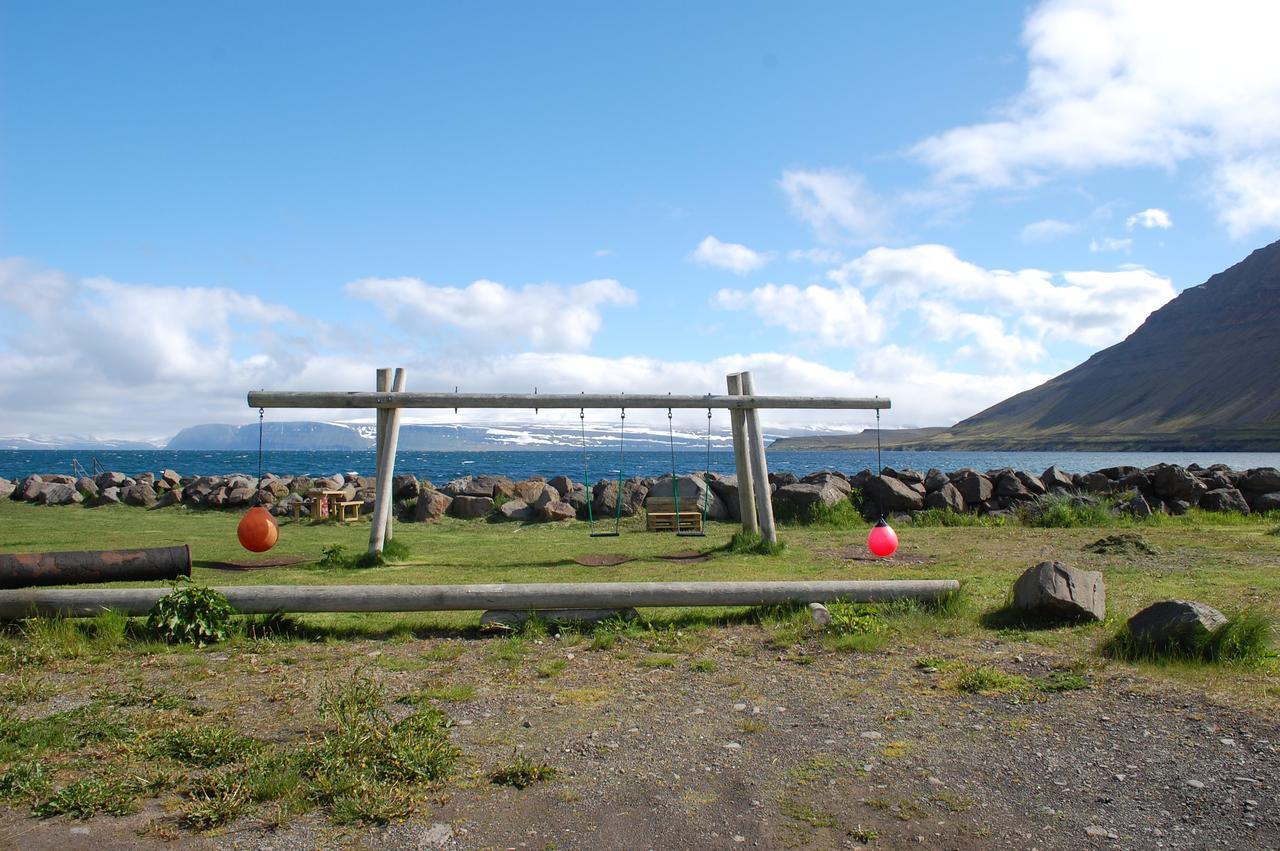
264	599
22	570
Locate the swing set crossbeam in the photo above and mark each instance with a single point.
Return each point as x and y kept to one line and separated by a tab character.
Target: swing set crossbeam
293	399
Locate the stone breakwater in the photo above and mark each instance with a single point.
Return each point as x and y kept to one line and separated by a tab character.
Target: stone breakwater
1163	488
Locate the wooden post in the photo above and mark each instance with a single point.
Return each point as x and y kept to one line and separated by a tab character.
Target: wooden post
742	461
397	386
386	469
759	467
383	382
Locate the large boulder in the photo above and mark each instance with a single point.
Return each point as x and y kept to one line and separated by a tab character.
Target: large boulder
604	497
173	496
404	486
947	497
726	487
826	477
239	497
1259	480
1010	488
1032	483
1056	478
106	496
562	484
884	495
783	479
496	485
1170	481
141	495
554	512
973	486
1173	623
935	479
1266	502
1224	499
56	493
579	499
28	489
693	487
515	509
431	505
798	501
6	488
1054	590
1098	482
88	487
170	477
109	480
469	507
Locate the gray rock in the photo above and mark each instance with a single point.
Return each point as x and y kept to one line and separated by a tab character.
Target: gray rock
973	486
579	500
1170	481
935	479
469	507
1260	480
1011	488
431	505
604	497
1033	485
1056	590
693	487
798	501
884	494
173	496
88	487
140	495
562	484
1224	499
171	477
1097	482
28	489
404	486
826	477
6	488
517	510
726	487
783	479
1261	504
56	493
947	497
1178	507
239	497
1138	507
554	512
1173	622
1055	478
109	480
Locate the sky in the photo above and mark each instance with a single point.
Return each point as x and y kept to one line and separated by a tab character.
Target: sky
944	204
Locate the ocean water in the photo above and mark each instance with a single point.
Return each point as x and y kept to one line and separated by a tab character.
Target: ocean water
439	467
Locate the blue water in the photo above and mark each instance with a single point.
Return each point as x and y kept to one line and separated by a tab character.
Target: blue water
442	466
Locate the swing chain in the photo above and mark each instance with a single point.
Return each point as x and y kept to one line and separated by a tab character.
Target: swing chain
257	494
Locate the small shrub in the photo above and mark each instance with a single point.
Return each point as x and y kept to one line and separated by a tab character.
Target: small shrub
214	802
203	747
87	797
868	642
335	558
855	619
1125	543
1275	531
1056	681
550	668
26	781
395	550
522	772
191	614
704	666
945	517
751	544
987	680
658	660
842	515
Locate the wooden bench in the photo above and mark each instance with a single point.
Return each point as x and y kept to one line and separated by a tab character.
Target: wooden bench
349	510
663	515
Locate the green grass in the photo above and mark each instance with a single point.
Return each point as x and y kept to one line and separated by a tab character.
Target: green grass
750	543
522	772
202	747
1245	639
1063	511
89	796
443	694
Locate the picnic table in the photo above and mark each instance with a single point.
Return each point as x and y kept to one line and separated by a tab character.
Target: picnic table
324	503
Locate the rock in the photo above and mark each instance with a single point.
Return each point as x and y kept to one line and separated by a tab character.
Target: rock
56	493
798	501
515	509
1138	507
547	496
28	489
973	486
884	494
1033	485
726	487
496	486
469	507
6	488
1261	504
239	497
935	479
404	486
693	487
1260	480
1174	622
1056	590
783	479
140	495
1055	478
528	490
947	497
109	480
1011	488
106	496
604	497
171	477
88	487
554	512
826	477
1178	507
562	484
173	496
579	500
1097	483
1170	481
1224	499
431	505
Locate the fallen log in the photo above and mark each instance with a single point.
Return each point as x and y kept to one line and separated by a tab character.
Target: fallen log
22	570
264	599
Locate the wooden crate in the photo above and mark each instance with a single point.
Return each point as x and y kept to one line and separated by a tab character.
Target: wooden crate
662	515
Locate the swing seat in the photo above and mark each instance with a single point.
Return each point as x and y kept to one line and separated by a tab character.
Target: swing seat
604	534
662	514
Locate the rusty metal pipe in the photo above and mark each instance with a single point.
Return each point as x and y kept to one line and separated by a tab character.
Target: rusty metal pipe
22	570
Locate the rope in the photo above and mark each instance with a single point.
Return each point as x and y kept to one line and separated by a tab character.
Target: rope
257	494
586	476
706	477
879	466
622	448
675	479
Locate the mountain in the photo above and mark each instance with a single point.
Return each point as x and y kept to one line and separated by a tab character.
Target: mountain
65	441
1201	373
895	438
282	435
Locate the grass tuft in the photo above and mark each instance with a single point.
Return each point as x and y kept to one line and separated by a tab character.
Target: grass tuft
203	747
522	772
89	796
749	544
1243	640
1064	511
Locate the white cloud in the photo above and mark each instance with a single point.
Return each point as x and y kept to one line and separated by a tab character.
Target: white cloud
1093	308
603	252
817	256
1108	243
1046	230
837	205
1125	84
828	316
988	341
548	316
731	256
1150	218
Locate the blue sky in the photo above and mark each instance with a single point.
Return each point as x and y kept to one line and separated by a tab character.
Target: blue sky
944	203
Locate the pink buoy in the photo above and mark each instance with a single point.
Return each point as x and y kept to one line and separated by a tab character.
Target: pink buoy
882	541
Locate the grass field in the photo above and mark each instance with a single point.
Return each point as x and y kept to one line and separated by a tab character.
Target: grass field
252	726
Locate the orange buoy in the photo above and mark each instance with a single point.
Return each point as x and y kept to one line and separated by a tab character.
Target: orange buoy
257	530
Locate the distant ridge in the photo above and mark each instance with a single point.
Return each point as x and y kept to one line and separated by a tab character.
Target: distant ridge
1201	373
865	439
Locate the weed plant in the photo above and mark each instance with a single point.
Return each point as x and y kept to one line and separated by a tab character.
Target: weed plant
191	614
522	772
751	544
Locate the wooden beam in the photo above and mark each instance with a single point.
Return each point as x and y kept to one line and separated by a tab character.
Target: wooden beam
325	399
742	462
263	599
386	474
759	466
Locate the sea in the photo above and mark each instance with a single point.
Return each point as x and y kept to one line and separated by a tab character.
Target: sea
439	467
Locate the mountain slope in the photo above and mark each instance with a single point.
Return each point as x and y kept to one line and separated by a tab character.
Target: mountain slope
1203	372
